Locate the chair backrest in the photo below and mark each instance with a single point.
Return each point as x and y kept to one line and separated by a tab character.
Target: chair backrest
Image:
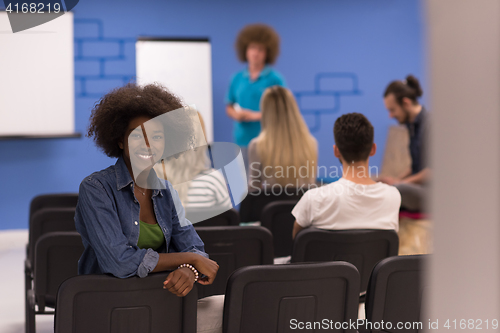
55	260
395	292
230	217
274	298
232	248
361	247
106	304
277	217
59	200
49	220
251	207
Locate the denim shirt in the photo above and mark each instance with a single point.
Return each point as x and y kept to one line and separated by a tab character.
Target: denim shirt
107	218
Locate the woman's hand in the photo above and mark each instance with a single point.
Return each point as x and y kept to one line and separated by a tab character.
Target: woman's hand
233	114
180	282
207	267
242	115
239	116
248	115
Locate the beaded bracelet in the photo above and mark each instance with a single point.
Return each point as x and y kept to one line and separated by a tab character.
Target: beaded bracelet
191	267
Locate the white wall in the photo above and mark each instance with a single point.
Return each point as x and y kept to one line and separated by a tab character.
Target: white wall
464	71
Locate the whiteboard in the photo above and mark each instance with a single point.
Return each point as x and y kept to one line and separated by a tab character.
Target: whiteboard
37	82
184	66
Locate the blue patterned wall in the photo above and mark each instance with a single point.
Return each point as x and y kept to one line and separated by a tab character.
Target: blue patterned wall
99	60
325	98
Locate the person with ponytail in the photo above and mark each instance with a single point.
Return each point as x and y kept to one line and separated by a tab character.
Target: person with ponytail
401	100
285	152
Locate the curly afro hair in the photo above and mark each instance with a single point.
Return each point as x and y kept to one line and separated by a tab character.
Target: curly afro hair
262	34
112	114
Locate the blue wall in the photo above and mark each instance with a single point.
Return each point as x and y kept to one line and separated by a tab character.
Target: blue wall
370	42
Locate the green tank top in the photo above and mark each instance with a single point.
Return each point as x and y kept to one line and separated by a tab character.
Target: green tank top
150	236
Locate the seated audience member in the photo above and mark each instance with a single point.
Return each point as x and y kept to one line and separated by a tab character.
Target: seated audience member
355	201
401	100
198	185
128	228
284	153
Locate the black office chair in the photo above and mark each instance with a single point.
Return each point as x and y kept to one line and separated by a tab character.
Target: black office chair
40	223
55	259
274	298
252	206
395	293
363	248
226	218
47	220
277	217
48	202
106	304
58	200
43	221
234	247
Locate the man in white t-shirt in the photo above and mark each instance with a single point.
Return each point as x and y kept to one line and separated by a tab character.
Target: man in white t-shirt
355	201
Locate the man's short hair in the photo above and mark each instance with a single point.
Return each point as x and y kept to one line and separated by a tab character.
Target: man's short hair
353	135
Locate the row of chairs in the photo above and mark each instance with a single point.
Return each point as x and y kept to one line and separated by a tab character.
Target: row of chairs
55	247
51	225
268	298
57	255
235	247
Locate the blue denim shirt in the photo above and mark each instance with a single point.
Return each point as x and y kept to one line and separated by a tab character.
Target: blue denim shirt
107	218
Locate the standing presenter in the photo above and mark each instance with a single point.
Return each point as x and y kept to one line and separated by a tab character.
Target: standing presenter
258	46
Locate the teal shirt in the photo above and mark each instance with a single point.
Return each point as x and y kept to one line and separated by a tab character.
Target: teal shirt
247	94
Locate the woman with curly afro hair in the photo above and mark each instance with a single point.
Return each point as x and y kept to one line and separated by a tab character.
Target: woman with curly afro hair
129	228
258	46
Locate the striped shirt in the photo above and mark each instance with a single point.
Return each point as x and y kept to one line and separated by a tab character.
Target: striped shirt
208	189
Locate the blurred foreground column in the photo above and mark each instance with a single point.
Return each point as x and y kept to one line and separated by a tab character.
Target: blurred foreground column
464	71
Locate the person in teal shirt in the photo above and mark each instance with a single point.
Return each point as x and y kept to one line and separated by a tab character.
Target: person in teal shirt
258	46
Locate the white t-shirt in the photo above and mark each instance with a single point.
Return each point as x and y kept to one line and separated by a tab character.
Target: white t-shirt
346	205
